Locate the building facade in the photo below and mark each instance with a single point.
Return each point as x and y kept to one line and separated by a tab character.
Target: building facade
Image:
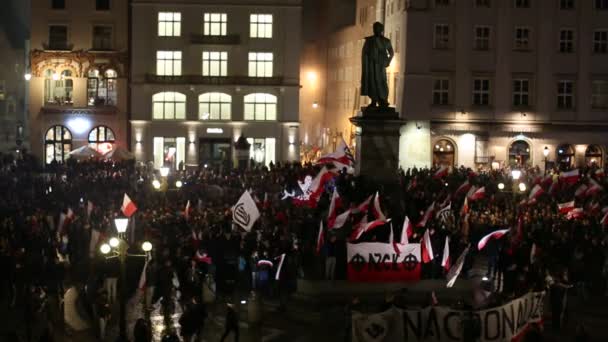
79	76
487	82
206	73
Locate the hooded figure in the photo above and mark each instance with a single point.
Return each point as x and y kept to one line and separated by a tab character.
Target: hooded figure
376	56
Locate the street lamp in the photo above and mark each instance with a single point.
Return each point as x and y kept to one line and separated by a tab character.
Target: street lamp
178	184
522	187
515	174
156	184
164	171
117	247
501	186
27	76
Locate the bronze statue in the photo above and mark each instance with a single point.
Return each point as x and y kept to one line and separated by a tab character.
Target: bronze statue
376	56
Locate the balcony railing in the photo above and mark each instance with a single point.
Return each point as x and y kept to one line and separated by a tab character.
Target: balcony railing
207	80
58	46
231	39
69	110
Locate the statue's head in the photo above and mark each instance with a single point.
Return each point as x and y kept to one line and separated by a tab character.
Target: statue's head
378	28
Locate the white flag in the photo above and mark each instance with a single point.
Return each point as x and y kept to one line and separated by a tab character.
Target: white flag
455	271
245	212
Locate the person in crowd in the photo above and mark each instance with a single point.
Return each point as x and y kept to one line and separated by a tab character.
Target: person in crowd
232	323
103	313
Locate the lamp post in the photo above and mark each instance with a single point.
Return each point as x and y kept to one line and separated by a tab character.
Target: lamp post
546	154
118	248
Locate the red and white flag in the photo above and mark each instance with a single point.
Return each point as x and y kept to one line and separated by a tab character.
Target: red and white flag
187	210
445	260
535	192
426	248
479	194
376	209
203	257
471	191
547	180
575	213
362	208
427	216
312	189
341	157
364	264
570	177
340	220
441	172
493	235
599	173
565	208
455	271
463	188
581	191
128	207
334	204
320	238
553	188
407	231
594	188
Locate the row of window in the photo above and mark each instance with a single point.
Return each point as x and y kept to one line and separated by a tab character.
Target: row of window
522	38
58	141
214	63
103	37
562	4
214	106
521	93
101	88
100	5
214	24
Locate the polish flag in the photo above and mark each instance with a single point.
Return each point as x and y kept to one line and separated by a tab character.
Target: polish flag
441	172
203	257
535	192
363	226
594	188
575	213
471	191
599	173
361	208
547	180
339	221
565	208
581	191
128	207
465	207
187	210
333	207
493	235
341	157
479	194
604	220
553	188
570	177
427	248
407	231
463	188
376	209
320	239
445	260
427	215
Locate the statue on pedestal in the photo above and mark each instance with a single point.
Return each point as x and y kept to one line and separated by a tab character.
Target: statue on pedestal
376	56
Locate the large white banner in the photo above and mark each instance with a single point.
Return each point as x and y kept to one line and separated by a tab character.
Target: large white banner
245	212
503	323
383	262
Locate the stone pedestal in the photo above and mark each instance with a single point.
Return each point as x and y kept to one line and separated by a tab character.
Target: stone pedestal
377	150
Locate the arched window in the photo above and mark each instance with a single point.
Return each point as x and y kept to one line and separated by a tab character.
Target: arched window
444	153
519	153
565	156
261	107
57	144
58	87
593	156
168	106
101	134
214	106
101	89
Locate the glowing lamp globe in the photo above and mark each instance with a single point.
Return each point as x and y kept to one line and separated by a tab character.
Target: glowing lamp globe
164	171
515	174
522	187
114	242
105	248
501	186
146	246
121	224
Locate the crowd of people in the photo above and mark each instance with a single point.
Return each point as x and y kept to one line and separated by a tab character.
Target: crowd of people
50	220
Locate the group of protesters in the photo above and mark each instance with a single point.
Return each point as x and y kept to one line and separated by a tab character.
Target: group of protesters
55	219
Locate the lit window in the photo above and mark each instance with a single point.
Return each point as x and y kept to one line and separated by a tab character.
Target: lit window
168	63
58	88
565	94
522	38
260	64
214	106
101	134
599	94
441	91
260	26
481	92
521	93
101	89
215	63
214	24
262	150
169	24
441	36
57	144
169	151
261	107
600	41
168	106
566	41
482	38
